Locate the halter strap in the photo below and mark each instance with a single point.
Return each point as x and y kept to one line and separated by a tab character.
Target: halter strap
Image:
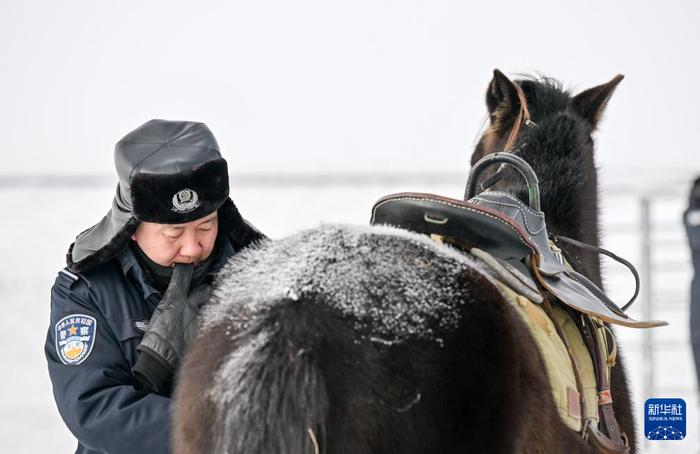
523	117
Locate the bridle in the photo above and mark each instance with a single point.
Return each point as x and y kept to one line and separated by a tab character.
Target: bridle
523	118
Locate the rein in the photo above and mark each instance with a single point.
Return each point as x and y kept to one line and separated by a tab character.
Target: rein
600	250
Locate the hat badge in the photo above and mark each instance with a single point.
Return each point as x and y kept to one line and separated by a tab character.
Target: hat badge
185	200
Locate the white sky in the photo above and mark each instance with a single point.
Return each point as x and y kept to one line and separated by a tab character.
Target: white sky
325	86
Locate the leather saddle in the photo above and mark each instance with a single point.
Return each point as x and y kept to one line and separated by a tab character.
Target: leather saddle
511	231
511	239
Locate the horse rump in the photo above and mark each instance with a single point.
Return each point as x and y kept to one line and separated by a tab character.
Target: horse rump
305	380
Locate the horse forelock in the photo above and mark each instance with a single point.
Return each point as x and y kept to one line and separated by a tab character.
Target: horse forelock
544	95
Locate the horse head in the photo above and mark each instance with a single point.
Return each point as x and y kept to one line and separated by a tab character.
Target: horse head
552	130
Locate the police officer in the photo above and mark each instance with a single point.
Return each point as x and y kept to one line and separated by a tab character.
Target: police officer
124	308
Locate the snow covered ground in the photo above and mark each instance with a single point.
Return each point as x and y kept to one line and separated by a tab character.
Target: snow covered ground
46	219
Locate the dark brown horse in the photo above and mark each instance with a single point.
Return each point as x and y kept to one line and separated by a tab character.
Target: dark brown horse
375	340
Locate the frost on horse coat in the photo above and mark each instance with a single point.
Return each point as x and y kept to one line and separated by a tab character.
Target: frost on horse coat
362	340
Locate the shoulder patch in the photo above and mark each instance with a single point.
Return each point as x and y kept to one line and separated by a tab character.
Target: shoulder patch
71	276
75	337
68	279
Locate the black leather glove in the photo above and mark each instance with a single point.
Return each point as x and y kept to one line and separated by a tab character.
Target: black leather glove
169	331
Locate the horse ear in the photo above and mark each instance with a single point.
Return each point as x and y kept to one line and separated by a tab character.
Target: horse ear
591	103
502	97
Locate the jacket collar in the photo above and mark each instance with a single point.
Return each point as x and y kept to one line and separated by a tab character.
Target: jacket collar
131	268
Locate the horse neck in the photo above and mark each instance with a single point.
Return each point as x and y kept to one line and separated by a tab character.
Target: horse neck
581	223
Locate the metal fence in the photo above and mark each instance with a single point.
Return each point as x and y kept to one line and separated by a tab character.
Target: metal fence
649	227
640	225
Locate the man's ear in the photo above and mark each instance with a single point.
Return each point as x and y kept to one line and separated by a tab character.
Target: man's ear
591	103
502	98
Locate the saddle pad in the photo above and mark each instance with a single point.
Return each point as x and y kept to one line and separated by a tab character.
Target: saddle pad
556	360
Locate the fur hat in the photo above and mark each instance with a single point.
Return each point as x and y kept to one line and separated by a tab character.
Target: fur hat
170	172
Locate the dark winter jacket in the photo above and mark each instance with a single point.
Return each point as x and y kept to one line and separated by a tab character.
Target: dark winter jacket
97	321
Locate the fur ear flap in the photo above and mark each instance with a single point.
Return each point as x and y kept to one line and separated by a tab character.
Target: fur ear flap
591	103
502	98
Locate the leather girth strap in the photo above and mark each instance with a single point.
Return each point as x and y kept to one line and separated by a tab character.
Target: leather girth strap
608	438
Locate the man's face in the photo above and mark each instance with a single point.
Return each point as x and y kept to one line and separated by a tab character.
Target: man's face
167	244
